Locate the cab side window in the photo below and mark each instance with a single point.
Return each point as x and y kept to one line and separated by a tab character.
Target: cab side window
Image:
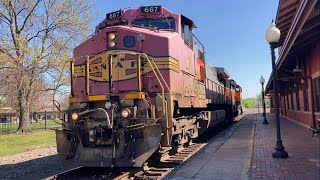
187	35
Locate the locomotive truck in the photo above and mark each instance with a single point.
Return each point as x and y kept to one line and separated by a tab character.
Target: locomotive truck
140	86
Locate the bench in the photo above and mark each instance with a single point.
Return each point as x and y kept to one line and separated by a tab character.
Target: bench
315	130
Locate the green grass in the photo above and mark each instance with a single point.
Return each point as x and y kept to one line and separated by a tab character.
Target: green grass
17	143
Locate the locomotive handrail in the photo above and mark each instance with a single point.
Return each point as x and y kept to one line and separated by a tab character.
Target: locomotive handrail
158	79
167	125
154	68
109	122
152	64
161	76
54	93
72	72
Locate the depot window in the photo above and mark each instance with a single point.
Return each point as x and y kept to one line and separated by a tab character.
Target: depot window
305	96
291	100
298	99
316	91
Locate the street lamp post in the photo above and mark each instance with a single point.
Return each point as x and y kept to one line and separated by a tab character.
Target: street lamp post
273	36
263	101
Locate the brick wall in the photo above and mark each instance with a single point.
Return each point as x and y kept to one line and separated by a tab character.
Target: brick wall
300	116
311	67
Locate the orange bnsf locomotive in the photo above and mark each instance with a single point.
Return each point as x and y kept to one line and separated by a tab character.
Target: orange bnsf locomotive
141	86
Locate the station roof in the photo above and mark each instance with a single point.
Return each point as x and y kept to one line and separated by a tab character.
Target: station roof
7	111
299	24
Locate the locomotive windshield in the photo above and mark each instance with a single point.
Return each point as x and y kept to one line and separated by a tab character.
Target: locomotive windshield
159	23
123	23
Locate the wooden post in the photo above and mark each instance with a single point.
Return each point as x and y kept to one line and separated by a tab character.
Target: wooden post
45	120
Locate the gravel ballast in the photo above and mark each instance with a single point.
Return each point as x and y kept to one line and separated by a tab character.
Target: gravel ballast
37	163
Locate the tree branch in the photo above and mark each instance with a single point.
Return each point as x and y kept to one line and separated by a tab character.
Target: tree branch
6	52
21	10
14	16
25	21
2	15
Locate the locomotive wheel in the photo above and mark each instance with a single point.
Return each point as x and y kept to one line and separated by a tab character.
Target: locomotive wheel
187	144
155	158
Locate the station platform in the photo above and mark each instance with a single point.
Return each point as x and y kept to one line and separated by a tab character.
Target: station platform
247	153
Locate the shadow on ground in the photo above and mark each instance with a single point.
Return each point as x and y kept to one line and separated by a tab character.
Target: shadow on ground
33	169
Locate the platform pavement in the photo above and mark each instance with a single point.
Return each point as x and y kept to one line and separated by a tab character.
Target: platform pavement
304	151
247	154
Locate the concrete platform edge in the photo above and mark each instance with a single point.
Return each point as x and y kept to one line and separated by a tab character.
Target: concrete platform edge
246	173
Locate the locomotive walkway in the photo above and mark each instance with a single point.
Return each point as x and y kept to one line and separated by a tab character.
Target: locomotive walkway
247	153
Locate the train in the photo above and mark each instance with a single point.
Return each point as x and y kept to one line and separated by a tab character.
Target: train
140	86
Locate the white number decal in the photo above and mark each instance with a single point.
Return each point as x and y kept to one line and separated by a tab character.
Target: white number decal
114	15
150	9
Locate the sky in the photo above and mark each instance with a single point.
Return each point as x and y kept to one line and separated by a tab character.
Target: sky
232	31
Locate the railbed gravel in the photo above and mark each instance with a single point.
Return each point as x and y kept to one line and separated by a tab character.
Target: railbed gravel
36	163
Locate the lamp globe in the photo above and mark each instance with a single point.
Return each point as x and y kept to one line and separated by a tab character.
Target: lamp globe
273	34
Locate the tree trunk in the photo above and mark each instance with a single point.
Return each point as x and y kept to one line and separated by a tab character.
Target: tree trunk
24	118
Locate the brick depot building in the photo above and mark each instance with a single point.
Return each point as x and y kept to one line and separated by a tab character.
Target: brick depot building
298	65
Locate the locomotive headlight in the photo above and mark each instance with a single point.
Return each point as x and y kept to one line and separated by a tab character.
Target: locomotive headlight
74	116
112	40
112	44
112	36
125	113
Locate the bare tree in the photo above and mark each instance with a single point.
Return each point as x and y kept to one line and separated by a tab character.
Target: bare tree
36	37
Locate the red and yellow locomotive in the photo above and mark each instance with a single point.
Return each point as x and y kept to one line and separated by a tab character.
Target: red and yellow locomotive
140	85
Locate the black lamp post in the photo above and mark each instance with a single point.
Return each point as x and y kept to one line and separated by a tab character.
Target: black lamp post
273	36
263	101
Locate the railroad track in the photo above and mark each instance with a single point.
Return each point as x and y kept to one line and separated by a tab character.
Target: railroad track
238	118
82	173
148	171
169	162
